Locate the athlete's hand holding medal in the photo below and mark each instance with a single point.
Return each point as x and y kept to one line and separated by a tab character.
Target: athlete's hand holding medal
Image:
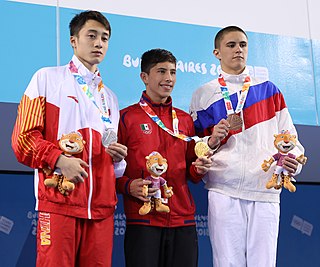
116	150
220	131
204	151
204	160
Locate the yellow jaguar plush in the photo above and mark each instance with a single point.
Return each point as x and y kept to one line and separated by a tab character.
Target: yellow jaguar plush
283	142
70	144
156	165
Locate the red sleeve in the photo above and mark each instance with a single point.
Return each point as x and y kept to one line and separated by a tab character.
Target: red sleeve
122	183
195	177
191	156
27	139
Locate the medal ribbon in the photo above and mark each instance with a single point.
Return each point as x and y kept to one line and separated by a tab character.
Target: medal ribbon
105	117
226	96
175	122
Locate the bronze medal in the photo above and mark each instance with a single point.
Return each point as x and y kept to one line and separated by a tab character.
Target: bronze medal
201	149
235	122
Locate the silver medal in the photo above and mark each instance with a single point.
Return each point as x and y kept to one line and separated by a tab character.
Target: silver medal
109	136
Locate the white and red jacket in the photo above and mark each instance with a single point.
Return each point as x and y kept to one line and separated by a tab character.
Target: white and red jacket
142	136
236	169
54	104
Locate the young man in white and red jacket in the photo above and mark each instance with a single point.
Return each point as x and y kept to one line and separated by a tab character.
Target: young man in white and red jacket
159	239
74	229
242	114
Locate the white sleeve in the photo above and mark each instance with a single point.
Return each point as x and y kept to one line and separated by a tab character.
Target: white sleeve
119	168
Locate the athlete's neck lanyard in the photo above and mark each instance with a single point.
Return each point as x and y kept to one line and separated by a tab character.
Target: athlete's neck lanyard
104	114
226	96
175	122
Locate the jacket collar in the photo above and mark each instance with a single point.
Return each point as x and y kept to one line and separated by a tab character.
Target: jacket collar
235	78
89	77
167	104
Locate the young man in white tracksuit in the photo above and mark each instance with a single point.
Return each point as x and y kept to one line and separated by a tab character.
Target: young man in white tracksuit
242	114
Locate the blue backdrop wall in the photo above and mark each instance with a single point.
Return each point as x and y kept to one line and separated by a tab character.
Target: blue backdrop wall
299	238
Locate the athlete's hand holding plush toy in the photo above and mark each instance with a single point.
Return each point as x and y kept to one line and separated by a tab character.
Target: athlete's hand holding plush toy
70	144
283	142
156	165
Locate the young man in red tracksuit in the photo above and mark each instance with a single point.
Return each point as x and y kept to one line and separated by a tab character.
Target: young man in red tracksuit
74	229
159	239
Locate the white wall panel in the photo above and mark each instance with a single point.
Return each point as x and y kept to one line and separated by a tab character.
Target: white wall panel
284	17
314	18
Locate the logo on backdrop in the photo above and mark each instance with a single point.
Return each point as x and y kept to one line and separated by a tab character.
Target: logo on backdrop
194	67
302	225
6	225
119	224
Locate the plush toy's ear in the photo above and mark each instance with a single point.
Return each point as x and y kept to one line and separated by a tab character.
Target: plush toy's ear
147	157
275	135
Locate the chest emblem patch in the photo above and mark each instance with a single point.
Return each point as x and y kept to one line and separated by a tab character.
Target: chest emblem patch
146	128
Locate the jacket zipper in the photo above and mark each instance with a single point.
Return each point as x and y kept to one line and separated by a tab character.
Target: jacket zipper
90	174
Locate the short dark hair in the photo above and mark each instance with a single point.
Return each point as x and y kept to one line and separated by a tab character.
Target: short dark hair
223	31
80	19
154	56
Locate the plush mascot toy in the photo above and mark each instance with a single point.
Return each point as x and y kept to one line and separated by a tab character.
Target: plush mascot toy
284	142
70	144
156	165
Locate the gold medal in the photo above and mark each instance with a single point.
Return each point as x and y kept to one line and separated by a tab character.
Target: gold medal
201	149
235	122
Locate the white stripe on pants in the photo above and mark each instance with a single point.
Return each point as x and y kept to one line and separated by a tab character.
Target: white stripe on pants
242	233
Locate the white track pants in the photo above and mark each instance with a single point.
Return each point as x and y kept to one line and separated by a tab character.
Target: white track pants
242	233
